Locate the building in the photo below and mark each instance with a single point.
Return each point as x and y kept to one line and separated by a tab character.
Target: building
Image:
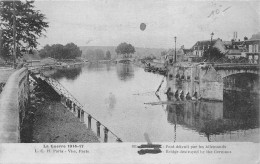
247	48
232	49
189	56
170	55
252	50
201	46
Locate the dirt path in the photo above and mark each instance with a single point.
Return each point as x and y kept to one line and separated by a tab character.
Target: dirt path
55	124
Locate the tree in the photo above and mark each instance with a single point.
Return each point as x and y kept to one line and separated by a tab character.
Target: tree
71	51
212	54
124	48
43	53
29	26
58	51
108	55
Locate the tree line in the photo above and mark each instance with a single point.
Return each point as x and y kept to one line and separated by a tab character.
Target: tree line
58	51
97	54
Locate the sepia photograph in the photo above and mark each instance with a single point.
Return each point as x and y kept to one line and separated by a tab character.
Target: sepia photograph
154	76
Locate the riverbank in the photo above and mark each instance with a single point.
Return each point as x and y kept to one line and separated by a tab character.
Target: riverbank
55	124
50	122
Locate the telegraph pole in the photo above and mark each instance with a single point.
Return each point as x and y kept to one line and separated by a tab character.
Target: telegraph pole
210	48
14	34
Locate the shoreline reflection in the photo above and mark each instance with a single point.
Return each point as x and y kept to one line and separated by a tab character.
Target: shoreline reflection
210	118
70	73
125	71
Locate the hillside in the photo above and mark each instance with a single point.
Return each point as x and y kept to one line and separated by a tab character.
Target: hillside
141	52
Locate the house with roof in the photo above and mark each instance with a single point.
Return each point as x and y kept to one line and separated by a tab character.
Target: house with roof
232	49
170	55
247	48
251	50
201	46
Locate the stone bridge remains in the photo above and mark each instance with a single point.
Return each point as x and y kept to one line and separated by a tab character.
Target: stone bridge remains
208	80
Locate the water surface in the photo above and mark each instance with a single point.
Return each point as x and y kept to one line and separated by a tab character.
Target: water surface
116	94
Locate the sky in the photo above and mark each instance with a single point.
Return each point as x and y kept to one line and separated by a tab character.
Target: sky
111	22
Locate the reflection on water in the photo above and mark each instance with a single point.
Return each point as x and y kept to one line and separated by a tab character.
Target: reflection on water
69	73
216	118
111	101
116	95
96	66
125	71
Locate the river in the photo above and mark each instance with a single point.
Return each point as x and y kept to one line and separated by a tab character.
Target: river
116	95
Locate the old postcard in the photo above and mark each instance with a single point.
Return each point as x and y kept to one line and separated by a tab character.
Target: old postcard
129	81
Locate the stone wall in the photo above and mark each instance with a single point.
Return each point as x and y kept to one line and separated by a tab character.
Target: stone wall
211	84
13	106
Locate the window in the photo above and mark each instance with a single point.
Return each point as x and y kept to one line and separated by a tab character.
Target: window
182	77
250	49
255	49
256	57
